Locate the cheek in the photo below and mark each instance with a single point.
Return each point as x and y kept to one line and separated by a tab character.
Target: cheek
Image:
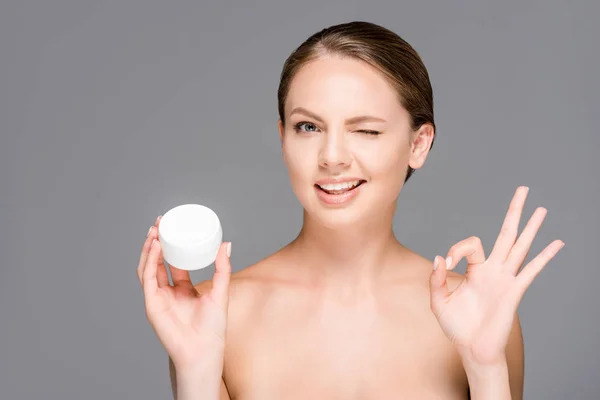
386	167
383	160
297	160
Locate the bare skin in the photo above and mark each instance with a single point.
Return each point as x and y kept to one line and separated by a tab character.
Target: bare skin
345	311
288	338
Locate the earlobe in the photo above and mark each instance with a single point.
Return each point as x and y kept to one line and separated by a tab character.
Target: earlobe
420	146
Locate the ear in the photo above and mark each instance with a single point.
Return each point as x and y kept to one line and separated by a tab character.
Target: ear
420	144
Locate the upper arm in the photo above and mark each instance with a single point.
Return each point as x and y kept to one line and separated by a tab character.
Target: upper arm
224	393
515	359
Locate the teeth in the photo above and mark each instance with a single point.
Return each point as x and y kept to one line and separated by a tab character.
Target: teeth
339	186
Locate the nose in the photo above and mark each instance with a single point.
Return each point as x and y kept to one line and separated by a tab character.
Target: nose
334	152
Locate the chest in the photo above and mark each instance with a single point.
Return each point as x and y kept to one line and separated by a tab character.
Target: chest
342	353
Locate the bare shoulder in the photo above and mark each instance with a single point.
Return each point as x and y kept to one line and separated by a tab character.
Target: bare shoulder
250	280
248	288
245	288
423	268
514	348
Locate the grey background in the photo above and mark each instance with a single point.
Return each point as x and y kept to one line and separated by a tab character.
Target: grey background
112	112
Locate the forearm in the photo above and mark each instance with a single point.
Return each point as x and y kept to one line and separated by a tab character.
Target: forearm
200	383
196	387
488	381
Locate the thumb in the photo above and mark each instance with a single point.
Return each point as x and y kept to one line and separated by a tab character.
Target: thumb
222	275
438	284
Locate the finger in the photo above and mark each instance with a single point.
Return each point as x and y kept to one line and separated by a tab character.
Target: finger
470	248
510	227
161	274
180	277
152	234
162	277
149	282
222	276
521	248
438	285
531	270
144	254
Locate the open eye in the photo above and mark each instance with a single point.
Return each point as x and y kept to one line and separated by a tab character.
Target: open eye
313	128
309	125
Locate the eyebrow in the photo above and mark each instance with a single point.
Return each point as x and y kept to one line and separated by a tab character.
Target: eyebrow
349	121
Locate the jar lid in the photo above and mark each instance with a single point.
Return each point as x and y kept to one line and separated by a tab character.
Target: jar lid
190	236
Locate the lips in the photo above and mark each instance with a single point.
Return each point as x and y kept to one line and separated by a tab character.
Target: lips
340	188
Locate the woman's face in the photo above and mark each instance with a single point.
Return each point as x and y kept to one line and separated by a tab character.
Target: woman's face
344	127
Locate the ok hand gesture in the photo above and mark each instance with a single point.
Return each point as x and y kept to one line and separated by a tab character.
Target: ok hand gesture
478	315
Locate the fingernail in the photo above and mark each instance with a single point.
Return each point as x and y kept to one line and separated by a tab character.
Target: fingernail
149	230
157	218
448	262
229	250
435	263
153	241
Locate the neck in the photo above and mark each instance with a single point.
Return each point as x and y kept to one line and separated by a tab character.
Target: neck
347	259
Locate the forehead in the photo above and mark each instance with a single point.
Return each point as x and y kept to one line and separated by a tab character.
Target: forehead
336	86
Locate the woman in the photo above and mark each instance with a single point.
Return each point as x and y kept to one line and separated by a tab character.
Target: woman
345	311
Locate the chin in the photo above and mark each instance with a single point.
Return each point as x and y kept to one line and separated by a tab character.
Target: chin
337	219
341	213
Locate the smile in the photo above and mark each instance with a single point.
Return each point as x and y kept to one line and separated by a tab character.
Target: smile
339	188
338	194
